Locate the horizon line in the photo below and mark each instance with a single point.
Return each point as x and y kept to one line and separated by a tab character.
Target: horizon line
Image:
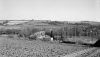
49	20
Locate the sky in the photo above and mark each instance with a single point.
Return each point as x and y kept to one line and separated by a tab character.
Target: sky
59	10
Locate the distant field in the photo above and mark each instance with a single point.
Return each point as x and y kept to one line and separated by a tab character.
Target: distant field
29	23
25	48
16	22
13	23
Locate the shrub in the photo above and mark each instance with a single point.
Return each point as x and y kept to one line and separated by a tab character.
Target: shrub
32	37
48	33
28	33
47	38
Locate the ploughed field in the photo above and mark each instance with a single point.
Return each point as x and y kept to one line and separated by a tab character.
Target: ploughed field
35	48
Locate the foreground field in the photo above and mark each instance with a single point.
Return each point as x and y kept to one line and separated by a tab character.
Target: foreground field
25	48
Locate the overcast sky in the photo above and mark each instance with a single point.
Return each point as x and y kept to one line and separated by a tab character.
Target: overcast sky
63	10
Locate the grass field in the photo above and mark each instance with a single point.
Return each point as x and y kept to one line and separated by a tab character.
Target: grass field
35	48
13	47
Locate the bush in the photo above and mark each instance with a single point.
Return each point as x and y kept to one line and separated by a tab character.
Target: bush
48	33
27	32
47	38
32	37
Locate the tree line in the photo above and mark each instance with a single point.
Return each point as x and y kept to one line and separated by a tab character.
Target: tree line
82	30
66	31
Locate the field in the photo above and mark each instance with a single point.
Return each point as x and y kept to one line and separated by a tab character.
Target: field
15	47
25	48
17	24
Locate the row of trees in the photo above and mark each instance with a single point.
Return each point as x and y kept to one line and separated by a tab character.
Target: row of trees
82	30
68	31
